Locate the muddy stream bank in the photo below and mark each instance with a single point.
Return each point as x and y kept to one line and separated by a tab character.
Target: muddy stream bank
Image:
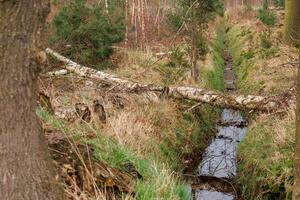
218	166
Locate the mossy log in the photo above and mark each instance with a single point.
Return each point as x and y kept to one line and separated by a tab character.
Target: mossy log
231	100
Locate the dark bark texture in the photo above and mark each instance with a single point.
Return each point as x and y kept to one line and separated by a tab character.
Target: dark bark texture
26	171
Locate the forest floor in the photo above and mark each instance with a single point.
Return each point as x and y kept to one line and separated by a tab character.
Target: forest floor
142	144
264	65
108	144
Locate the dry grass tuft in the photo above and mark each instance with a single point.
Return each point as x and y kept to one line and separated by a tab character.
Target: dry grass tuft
138	66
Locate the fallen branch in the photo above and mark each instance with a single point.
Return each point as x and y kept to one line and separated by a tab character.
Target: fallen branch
57	73
243	102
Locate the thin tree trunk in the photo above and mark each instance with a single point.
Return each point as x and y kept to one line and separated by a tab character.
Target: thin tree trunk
292	21
133	12
194	53
136	30
266	5
157	19
138	21
296	190
106	6
194	67
126	22
26	171
143	23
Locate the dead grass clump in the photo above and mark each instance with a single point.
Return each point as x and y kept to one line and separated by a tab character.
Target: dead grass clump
261	70
130	128
138	65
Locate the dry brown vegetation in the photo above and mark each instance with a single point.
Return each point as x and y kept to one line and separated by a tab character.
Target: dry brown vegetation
269	70
265	65
152	131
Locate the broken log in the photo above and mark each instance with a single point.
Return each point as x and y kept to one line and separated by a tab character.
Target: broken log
231	100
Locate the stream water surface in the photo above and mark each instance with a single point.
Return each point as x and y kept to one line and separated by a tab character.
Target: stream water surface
219	163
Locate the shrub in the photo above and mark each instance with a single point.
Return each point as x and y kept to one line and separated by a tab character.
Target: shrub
85	33
177	58
175	20
55	2
267	17
265	41
175	68
279	3
201	46
215	79
269	53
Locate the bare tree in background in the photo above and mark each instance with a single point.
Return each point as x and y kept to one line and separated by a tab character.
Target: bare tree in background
26	171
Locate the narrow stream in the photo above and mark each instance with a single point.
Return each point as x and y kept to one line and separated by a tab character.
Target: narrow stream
219	164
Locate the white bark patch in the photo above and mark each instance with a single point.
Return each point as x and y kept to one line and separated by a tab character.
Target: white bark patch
249	102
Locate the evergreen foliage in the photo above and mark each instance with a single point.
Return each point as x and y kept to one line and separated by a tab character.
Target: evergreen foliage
265	41
215	77
195	15
87	32
175	19
279	3
205	11
266	16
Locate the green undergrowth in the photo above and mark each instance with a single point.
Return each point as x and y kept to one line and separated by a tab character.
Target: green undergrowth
243	60
160	162
265	155
266	16
172	71
241	64
266	159
214	76
203	119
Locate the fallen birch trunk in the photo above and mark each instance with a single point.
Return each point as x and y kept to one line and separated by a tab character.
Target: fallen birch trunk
242	102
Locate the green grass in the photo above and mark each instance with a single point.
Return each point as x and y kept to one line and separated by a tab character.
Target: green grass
265	155
160	168
214	77
159	181
243	60
266	16
266	161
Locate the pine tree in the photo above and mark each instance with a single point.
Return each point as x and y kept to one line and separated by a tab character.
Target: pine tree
88	32
196	14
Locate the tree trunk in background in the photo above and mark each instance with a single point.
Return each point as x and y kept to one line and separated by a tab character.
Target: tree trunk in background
296	191
143	42
126	22
292	21
194	67
133	12
266	4
26	171
194	51
106	6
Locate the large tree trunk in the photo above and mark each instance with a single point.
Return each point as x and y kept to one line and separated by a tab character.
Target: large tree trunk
26	170
296	191
292	21
242	102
